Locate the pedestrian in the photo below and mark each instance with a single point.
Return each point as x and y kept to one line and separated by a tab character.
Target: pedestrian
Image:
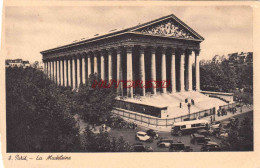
218	113
211	120
180	104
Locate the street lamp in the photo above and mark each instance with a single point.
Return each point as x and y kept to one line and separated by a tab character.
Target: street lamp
189	109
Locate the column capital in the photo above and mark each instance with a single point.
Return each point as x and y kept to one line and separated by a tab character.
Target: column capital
142	49
103	52
153	49
181	50
197	52
188	51
95	53
119	49
129	48
110	50
172	50
163	49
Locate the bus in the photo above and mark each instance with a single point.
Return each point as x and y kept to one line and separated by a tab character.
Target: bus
186	127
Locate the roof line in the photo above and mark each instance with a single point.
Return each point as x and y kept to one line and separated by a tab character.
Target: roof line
120	32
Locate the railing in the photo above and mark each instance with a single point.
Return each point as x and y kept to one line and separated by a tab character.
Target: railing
140	108
162	122
228	106
169	121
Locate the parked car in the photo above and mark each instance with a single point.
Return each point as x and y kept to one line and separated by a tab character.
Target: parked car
203	132
142	136
216	124
187	127
152	134
164	143
210	146
214	131
179	147
198	139
139	147
226	124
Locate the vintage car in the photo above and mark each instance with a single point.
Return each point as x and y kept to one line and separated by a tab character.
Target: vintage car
152	134
164	143
198	139
210	146
142	136
216	124
203	132
179	147
139	147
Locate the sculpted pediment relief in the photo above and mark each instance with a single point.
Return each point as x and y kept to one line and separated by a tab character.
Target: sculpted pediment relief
168	28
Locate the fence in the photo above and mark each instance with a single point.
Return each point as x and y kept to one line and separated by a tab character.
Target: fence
141	108
228	106
162	122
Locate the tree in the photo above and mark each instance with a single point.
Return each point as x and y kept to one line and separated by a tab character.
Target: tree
35	64
95	104
103	142
38	114
239	138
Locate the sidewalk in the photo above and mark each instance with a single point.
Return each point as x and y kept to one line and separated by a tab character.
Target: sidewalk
245	109
168	129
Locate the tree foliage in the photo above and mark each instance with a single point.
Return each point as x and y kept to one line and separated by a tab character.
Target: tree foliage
38	114
240	138
223	77
103	142
95	104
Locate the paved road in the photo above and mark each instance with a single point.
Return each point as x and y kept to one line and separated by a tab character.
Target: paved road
129	135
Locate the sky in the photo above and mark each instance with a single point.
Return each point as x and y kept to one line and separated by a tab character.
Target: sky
30	30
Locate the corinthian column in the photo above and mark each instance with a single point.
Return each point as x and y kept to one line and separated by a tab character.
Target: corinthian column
102	65
69	72
173	72
83	69
153	70
55	72
163	70
197	69
119	72
95	62
65	73
58	72
182	56
142	69
89	64
110	65
61	73
49	69
190	71
129	70
78	71
73	69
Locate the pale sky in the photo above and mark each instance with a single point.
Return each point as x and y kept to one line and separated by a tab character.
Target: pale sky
31	30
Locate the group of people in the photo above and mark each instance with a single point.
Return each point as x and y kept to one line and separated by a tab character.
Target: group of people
120	123
222	112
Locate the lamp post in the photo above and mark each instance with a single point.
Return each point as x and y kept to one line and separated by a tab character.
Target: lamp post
189	109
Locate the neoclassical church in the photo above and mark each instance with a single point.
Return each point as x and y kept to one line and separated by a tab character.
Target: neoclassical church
159	50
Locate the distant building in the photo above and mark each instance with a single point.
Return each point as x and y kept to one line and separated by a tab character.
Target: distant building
17	63
240	59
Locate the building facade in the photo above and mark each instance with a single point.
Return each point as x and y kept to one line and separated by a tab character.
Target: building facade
17	63
160	50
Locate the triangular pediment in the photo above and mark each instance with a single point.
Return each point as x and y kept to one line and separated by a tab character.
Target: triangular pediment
169	27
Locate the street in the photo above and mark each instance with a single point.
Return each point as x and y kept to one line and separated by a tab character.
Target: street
129	135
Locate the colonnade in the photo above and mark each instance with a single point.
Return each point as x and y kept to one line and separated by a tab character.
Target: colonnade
128	63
